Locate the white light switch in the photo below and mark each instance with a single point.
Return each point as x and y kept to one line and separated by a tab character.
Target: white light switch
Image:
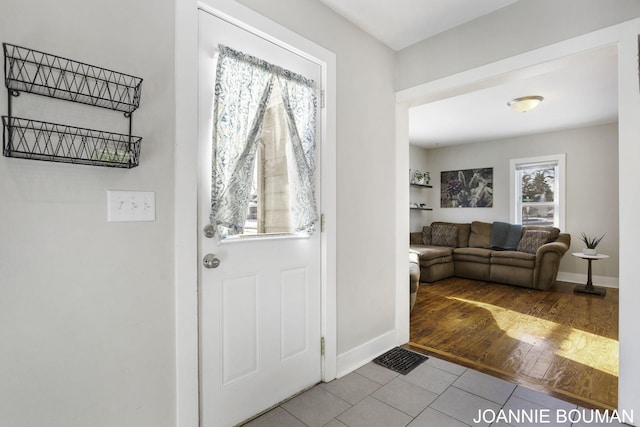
131	206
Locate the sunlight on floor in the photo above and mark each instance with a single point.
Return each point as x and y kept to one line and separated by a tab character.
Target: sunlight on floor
583	347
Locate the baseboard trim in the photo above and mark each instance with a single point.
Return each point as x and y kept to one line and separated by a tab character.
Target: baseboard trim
359	356
606	281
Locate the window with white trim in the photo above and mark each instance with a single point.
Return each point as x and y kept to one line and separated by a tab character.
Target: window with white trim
537	191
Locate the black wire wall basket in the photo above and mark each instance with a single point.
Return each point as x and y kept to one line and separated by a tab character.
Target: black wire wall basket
32	71
35	72
36	140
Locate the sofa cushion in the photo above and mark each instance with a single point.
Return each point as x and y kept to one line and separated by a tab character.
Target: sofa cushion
415	238
479	252
431	252
514	259
464	229
480	255
532	240
480	236
444	235
426	235
554	232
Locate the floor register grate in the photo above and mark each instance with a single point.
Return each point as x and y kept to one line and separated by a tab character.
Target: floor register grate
400	360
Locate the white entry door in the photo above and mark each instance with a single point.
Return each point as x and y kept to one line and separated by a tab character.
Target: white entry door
260	309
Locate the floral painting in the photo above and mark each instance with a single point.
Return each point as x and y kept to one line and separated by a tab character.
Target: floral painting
468	188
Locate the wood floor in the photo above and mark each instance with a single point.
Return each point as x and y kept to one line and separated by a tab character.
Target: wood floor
554	341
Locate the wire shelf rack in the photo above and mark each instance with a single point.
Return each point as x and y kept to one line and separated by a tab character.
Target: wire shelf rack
32	71
36	140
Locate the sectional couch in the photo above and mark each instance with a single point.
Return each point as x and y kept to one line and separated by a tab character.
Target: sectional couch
528	256
414	277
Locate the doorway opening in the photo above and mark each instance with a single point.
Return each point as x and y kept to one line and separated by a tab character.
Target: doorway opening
496	149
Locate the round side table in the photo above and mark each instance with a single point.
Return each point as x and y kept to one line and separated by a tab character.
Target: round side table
589	288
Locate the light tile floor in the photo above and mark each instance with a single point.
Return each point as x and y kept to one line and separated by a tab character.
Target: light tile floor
435	394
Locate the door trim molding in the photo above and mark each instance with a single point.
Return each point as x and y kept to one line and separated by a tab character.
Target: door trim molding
186	181
361	355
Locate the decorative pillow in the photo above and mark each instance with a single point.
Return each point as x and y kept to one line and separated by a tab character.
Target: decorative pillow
426	235
444	235
554	232
532	240
480	236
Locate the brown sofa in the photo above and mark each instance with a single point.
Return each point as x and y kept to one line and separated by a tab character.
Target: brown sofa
414	277
468	250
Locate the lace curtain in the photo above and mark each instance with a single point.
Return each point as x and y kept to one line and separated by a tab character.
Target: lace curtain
242	90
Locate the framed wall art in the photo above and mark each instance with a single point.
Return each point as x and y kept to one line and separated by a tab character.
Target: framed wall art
466	188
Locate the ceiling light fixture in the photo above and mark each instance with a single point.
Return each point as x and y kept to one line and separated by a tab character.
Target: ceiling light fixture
524	104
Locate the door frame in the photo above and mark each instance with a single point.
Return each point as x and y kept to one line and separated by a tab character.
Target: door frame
626	37
186	263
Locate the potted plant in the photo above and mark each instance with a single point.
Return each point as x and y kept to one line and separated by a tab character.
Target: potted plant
417	177
591	244
427	177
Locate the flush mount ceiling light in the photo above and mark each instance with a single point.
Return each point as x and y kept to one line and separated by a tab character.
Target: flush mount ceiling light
524	104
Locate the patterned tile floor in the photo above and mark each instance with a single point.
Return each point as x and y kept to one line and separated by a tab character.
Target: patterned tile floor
435	394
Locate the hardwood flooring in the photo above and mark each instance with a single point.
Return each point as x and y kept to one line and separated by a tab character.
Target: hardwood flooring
554	341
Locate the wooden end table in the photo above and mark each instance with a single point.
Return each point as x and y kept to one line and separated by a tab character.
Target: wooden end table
589	288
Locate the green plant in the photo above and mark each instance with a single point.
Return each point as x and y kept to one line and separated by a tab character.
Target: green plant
591	242
418	175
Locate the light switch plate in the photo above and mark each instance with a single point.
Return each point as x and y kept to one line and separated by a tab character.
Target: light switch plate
131	206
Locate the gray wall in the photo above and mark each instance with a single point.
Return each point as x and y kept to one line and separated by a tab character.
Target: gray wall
519	27
86	306
591	184
365	153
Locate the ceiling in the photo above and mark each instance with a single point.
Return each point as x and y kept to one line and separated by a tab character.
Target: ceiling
578	91
401	23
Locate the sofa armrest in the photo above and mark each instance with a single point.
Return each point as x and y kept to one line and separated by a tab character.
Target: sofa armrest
548	259
559	246
553	247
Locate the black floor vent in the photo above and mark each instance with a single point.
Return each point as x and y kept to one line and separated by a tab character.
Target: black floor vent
400	360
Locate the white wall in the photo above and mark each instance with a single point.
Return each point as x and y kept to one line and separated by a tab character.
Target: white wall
591	185
629	150
86	306
519	27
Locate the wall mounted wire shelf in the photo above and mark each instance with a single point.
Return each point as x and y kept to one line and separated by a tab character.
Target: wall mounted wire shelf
36	140
32	71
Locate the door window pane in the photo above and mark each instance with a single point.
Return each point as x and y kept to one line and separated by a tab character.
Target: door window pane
269	208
